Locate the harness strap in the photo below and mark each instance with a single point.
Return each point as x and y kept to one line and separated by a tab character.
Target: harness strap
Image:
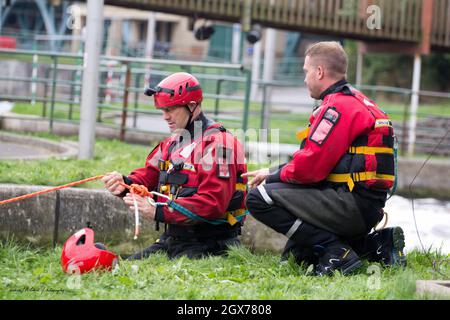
231	218
370	150
350	178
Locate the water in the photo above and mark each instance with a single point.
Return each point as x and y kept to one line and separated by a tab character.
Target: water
5	106
433	222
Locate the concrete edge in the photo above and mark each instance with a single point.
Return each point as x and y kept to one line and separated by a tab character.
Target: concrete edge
433	287
59	150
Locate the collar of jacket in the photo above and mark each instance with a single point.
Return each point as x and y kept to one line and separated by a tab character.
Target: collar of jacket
339	86
202	121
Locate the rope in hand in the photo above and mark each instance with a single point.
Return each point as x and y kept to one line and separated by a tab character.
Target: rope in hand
38	193
135	189
140	190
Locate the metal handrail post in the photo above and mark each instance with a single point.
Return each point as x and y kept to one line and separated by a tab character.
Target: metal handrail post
72	92
137	84
404	131
247	98
218	90
44	104
52	105
263	104
125	101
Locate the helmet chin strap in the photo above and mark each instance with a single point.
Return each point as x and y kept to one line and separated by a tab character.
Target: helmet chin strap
191	114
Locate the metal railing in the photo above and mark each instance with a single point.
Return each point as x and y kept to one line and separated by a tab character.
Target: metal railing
125	86
226	97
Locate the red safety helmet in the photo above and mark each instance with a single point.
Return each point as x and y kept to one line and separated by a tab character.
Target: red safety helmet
178	89
80	254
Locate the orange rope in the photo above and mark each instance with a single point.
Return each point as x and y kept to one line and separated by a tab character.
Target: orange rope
138	189
35	194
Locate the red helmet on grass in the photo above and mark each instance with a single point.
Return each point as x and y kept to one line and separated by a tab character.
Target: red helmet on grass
80	254
178	89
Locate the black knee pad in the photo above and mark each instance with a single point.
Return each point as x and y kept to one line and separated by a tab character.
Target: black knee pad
255	201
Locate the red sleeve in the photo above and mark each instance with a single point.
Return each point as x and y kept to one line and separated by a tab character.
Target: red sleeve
332	132
214	192
148	175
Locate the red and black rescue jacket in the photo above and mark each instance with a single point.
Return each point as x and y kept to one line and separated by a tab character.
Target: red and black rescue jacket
201	172
349	141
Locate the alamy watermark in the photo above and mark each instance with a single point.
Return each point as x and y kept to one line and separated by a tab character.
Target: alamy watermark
374	20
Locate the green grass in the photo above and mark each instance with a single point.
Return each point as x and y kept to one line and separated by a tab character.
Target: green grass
30	273
396	110
42	59
109	156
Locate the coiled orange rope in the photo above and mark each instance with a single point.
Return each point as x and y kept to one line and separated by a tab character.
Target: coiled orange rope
38	193
138	189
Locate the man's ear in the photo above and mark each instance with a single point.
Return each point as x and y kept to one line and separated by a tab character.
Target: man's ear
192	105
320	72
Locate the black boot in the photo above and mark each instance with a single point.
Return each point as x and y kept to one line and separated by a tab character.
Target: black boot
384	246
332	253
302	255
339	256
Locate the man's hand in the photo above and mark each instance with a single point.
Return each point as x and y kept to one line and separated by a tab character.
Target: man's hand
258	177
146	209
112	182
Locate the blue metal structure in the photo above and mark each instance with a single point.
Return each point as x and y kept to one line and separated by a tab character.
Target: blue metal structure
36	17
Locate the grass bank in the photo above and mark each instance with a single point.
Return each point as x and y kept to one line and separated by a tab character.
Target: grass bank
28	273
110	155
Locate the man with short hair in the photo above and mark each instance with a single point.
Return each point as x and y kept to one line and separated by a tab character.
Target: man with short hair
197	173
331	194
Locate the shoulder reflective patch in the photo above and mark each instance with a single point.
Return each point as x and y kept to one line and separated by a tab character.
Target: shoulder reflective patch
368	103
325	126
186	152
383	123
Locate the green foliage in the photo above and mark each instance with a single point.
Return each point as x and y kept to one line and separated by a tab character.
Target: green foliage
30	273
395	70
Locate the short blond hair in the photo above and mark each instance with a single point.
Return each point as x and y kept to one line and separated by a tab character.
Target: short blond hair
331	55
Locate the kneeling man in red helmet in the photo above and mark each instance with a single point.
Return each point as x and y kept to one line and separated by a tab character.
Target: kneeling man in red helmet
197	170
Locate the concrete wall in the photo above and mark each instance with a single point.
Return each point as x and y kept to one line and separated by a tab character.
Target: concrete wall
53	217
433	180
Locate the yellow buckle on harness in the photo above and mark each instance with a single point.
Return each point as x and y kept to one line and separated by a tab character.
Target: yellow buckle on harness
302	134
370	150
350	183
350	179
231	219
241	187
231	216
